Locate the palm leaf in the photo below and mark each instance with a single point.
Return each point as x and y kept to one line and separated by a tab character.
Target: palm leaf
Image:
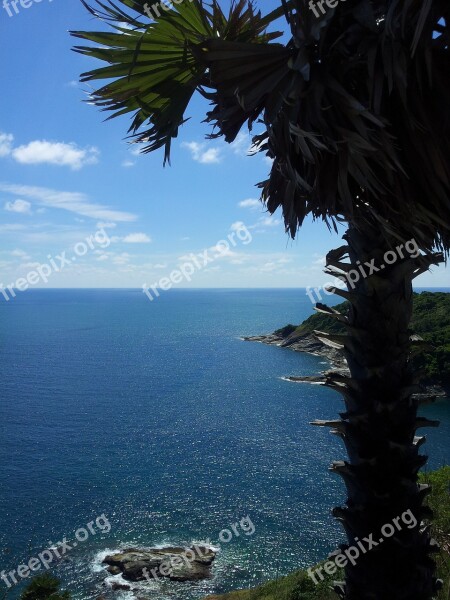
154	67
354	108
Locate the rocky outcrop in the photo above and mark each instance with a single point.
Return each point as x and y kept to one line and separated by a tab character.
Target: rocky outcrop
117	587
310	344
175	563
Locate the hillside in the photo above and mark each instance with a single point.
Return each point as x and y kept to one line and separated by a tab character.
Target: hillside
431	321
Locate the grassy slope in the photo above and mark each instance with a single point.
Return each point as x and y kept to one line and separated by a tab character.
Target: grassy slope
431	320
298	586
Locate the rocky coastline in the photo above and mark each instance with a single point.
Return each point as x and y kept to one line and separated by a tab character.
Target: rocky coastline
311	344
175	563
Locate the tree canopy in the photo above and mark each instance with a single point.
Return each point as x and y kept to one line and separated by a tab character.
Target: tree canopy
353	108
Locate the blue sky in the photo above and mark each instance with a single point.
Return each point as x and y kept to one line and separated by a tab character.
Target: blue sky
65	173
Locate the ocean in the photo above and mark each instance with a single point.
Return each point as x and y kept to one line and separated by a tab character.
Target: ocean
156	418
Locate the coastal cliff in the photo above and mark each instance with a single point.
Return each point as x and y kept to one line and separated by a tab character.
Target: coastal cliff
431	335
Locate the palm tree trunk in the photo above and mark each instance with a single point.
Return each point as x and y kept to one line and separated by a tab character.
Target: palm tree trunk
380	423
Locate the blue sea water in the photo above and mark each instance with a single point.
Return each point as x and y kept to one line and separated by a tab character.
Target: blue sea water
157	415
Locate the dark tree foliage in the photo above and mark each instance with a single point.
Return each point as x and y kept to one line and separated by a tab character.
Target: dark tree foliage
44	587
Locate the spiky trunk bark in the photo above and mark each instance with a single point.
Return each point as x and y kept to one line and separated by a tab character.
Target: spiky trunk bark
380	423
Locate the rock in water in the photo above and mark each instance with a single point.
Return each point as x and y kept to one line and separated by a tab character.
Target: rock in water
175	563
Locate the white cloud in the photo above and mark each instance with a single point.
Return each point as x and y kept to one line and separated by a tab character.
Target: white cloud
122	259
128	163
212	269
200	155
268	267
220	252
103	257
275	264
6	140
12	227
106	225
19	206
75	202
250	203
20	254
55	153
153	266
237	226
242	144
210	156
137	238
269	222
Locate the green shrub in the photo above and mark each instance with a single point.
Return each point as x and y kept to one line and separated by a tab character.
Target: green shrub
44	587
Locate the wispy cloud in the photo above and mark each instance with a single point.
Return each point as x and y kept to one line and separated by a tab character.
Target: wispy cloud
121	259
269	222
127	164
106	225
75	202
137	238
238	225
242	144
136	149
6	141
19	206
17	253
151	266
202	154
8	227
250	203
319	261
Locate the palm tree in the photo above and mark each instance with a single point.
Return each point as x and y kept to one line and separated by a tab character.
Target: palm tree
355	113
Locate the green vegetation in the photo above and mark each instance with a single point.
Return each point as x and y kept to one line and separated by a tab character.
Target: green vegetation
286	331
431	320
298	586
439	502
44	587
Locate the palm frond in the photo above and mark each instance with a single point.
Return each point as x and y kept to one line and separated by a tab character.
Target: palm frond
354	108
154	67
355	113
